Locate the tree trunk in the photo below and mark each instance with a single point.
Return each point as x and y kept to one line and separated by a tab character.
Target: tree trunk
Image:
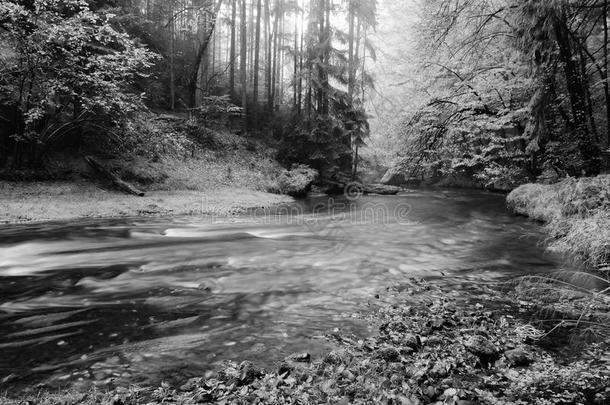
172	89
256	61
192	86
269	63
243	66
232	51
606	138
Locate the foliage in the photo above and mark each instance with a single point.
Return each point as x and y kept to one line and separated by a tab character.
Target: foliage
65	67
153	137
507	87
432	346
216	110
321	143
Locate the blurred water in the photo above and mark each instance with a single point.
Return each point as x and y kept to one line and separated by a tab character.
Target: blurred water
141	300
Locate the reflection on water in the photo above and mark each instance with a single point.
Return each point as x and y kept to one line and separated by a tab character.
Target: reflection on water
140	300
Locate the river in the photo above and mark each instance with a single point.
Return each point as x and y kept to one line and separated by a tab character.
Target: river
140	300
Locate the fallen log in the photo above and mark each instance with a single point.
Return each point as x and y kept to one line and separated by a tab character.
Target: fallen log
116	181
380	189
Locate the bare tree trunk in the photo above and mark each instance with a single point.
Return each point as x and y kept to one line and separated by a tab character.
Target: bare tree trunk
256	61
232	51
172	85
269	63
243	66
606	139
275	56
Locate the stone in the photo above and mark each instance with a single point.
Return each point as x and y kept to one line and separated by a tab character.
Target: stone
518	357
249	372
296	182
299	357
482	348
389	354
393	177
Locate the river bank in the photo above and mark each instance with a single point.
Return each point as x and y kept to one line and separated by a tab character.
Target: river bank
484	339
22	202
576	213
217	173
434	345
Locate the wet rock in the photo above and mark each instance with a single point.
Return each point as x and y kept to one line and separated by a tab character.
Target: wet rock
389	354
192	384
336	357
482	348
285	368
518	357
249	372
393	327
411	340
299	357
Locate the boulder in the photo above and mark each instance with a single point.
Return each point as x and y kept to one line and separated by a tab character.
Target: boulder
482	348
548	176
299	357
296	182
393	177
518	357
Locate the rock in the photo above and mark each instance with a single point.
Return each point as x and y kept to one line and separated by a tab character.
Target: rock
482	348
296	182
249	372
336	357
285	368
299	357
548	176
394	326
518	357
192	384
243	374
389	354
412	341
393	177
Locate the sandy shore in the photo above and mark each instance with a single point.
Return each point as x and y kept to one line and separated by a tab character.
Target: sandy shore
47	201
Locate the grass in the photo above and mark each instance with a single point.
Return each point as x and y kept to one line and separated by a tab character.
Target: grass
576	213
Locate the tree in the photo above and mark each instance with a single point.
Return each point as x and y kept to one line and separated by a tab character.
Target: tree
64	66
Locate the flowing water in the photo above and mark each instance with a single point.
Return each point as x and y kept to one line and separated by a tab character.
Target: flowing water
141	300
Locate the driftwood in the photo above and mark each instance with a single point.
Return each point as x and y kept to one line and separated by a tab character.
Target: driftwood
116	181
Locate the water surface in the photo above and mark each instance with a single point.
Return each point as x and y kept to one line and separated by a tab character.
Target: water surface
142	300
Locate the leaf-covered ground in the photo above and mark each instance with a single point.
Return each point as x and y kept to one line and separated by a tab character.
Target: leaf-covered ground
433	346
